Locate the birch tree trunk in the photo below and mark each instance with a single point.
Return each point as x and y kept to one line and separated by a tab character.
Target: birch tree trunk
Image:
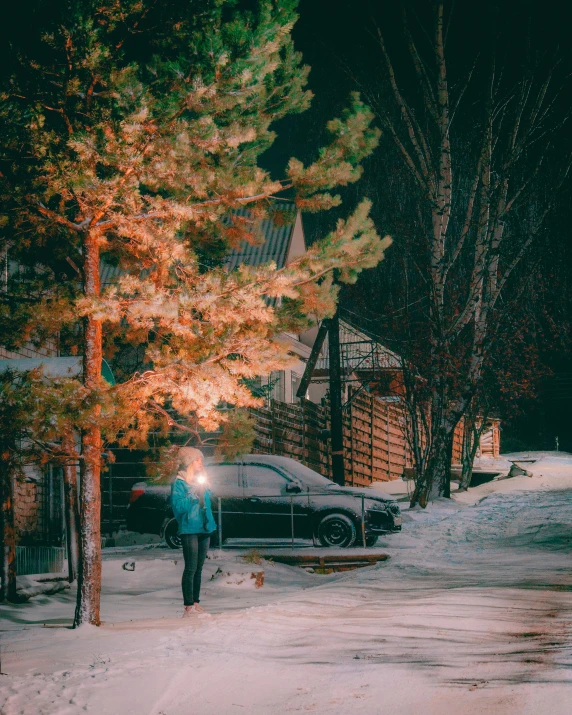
475	425
89	576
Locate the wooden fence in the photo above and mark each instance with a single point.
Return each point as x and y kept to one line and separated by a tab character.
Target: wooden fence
375	443
375	448
295	430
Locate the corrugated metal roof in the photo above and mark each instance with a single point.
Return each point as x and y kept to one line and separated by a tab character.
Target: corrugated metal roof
271	243
274	247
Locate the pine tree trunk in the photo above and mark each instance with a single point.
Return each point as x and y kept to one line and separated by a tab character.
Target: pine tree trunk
71	509
8	534
89	576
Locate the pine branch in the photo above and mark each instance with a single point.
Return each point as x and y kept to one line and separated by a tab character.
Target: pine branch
61	220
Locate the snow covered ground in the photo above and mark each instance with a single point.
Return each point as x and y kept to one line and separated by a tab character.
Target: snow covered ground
472	614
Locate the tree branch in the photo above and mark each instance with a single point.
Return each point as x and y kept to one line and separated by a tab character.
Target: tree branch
57	218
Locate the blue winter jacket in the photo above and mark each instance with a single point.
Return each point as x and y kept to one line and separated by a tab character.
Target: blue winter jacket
190	516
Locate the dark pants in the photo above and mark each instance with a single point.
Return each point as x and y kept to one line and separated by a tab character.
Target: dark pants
195	547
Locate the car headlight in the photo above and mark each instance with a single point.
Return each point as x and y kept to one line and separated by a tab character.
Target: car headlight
376	506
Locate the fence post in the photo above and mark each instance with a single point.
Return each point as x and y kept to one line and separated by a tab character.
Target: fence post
304	454
292	517
371	430
220	524
363	521
388	445
273	426
352	442
110	499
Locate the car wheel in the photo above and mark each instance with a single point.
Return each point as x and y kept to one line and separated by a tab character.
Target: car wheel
371	540
337	530
172	535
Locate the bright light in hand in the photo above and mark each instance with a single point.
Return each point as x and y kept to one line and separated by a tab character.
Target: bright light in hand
202	479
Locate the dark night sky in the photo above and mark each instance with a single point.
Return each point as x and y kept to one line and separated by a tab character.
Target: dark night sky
335	39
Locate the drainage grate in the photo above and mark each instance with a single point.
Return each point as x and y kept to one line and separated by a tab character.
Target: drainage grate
329	564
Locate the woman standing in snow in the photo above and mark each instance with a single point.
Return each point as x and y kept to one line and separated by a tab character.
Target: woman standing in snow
191	503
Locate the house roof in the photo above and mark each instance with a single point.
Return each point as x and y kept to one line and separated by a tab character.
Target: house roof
272	240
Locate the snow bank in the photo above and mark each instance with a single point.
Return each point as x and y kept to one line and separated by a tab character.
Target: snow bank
550	471
39	585
470	615
395	488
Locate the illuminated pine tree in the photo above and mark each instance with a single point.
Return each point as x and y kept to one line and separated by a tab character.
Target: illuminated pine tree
131	132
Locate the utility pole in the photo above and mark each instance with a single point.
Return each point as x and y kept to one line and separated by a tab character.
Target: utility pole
336	416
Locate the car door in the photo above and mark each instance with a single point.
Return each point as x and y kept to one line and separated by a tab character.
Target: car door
226	485
267	504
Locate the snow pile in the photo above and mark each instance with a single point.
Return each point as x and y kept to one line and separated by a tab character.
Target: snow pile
239	579
395	488
38	585
550	471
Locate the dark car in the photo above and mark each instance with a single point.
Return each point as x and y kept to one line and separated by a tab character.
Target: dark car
265	497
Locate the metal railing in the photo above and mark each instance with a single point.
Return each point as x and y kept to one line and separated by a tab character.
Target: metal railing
304	495
40	559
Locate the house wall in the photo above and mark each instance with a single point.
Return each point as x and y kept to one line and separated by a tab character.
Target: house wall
490	441
29	509
30	351
30	495
297	242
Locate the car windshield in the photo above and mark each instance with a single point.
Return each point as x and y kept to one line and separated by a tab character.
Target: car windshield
308	476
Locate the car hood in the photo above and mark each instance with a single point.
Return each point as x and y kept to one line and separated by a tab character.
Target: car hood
358	492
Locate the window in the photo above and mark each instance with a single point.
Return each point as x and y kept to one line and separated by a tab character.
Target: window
277	380
296	380
260	479
307	476
223	475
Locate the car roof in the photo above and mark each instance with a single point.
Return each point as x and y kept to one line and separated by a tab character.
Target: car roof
270	459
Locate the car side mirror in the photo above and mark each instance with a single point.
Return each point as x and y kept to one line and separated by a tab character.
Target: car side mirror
293	487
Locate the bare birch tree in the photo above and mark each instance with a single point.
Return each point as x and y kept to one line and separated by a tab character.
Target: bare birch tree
483	168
